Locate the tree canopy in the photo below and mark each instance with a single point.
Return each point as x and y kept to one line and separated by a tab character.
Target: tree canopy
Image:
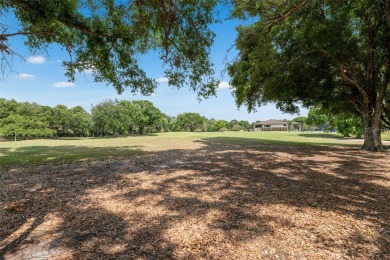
191	122
316	53
31	120
108	36
113	117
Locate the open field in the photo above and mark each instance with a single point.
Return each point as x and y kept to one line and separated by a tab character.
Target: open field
194	196
67	150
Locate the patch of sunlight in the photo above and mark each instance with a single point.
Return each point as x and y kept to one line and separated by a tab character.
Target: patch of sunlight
51	158
17	233
12	149
42	233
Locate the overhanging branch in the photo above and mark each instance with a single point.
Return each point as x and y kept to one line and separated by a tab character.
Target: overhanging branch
345	76
285	14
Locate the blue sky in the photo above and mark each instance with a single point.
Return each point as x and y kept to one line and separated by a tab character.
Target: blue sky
40	78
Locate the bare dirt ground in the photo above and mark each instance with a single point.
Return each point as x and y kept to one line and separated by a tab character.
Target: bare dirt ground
212	200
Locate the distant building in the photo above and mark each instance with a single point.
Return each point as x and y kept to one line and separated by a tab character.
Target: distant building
276	125
271	125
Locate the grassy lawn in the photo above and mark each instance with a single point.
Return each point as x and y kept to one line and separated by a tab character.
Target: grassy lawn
67	150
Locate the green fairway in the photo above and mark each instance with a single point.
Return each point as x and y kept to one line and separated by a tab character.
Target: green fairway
68	150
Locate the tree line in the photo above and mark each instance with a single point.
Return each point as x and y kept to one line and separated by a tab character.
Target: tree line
107	118
121	117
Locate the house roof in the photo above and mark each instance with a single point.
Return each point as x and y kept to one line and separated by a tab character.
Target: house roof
272	122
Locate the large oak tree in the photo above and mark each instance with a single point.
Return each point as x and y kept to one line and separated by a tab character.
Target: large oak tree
316	52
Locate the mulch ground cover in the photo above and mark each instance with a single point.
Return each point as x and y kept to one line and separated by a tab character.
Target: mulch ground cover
210	201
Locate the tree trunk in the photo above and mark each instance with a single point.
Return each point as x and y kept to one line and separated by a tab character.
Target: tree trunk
372	133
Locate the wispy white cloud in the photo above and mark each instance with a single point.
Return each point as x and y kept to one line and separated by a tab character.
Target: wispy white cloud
88	71
224	85
63	84
36	59
25	76
162	80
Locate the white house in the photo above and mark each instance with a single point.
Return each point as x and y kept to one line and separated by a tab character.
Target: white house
271	125
277	125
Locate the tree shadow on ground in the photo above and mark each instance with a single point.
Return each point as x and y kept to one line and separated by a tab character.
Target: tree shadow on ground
264	141
62	154
321	135
204	203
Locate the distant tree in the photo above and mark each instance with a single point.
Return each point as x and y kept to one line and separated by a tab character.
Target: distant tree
245	125
321	118
174	127
103	120
236	128
61	120
46	114
165	124
318	117
232	123
128	112
147	117
113	117
222	124
212	125
191	122
80	122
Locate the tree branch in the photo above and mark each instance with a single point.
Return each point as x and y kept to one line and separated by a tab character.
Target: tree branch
285	15
383	88
74	24
189	21
387	8
344	75
4	36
